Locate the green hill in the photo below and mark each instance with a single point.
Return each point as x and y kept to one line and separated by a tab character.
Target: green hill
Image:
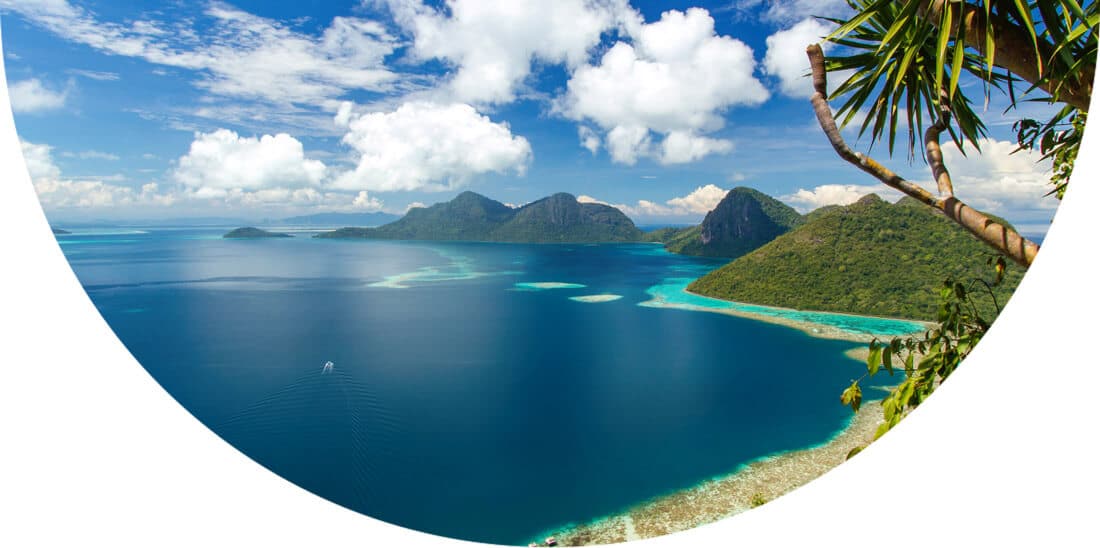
743	221
472	217
871	257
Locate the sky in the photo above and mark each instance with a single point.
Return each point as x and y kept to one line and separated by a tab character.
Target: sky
265	109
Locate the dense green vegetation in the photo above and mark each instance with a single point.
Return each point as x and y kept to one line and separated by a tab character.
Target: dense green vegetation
743	221
871	257
472	217
911	57
253	232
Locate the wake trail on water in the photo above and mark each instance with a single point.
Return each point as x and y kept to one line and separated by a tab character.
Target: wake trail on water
323	423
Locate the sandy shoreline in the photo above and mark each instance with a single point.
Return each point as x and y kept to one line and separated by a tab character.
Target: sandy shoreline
810	328
759	481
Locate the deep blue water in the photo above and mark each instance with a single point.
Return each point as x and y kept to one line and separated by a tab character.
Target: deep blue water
461	403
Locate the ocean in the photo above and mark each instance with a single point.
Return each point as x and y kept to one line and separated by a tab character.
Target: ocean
487	392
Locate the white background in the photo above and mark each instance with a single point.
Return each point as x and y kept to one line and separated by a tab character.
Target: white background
94	452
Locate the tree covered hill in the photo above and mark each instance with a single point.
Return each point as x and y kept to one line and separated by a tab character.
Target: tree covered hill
472	217
872	257
743	221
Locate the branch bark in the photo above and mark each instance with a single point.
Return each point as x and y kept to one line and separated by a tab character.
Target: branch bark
1014	49
1004	239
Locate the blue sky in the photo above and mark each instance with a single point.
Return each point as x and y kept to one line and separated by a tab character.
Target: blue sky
268	109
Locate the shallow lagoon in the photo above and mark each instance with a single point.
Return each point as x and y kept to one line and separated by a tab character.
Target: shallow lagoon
461	403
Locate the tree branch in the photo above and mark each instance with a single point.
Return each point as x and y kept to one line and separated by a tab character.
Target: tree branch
934	153
1002	238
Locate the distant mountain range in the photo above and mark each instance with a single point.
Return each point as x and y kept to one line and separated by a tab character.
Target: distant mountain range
871	257
472	217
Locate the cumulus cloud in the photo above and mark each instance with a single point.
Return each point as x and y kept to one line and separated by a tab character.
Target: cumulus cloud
808	200
998	181
429	147
222	161
57	192
786	56
32	97
674	80
365	202
701	200
590	140
695	204
493	44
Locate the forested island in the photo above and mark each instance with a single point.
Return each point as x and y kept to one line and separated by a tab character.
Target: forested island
251	232
872	257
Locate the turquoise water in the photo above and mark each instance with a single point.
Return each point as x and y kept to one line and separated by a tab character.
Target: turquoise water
672	293
479	391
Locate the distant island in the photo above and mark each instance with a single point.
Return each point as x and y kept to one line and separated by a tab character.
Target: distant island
869	258
472	217
59	232
251	232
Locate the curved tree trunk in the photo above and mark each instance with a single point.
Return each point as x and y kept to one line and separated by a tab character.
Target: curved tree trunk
1002	238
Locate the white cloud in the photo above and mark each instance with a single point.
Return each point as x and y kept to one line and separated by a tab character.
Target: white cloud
701	200
590	140
92	155
237	54
96	75
676	79
786	56
808	200
586	199
1000	182
39	161
32	96
695	204
222	161
414	204
429	147
996	181
365	202
493	44
681	147
57	192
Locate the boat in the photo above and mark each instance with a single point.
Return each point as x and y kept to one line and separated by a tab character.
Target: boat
327	368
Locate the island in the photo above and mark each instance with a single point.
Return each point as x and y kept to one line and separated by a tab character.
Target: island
872	257
59	232
472	217
251	232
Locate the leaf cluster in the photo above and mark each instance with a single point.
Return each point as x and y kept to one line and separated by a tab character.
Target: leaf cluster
908	58
1058	140
928	360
